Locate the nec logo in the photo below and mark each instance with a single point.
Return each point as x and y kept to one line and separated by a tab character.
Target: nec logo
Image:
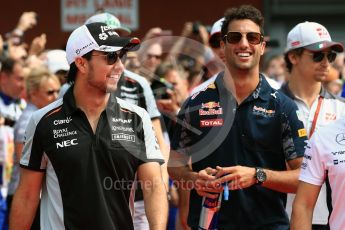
66	143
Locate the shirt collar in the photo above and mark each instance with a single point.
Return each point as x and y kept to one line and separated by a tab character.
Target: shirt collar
70	106
8	100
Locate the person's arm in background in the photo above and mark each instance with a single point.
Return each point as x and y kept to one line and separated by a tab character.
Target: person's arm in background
155	196
303	206
26	200
164	149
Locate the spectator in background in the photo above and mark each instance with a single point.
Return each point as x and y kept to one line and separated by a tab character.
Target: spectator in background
150	59
275	69
42	88
309	54
12	80
57	64
214	42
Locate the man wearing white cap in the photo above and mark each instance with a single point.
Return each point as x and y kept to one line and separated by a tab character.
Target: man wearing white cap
136	89
310	50
85	151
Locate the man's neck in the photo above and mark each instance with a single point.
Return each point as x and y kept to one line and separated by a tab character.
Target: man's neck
245	83
92	101
308	91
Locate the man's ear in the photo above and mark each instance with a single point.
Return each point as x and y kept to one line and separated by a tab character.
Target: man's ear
292	56
81	64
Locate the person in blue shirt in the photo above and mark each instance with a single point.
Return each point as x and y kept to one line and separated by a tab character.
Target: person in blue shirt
242	132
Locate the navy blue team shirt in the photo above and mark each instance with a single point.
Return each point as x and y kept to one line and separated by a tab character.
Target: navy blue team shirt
263	131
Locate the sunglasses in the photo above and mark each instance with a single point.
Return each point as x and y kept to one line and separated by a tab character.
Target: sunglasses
319	56
51	92
215	41
112	57
253	38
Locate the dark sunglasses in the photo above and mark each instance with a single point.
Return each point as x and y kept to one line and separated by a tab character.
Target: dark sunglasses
112	57
253	38
319	56
51	92
215	41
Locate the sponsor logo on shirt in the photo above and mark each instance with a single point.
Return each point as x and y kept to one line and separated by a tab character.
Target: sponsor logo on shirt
302	132
211	86
341	152
64	121
330	116
66	143
121	128
210	105
263	112
120	120
123	137
210	112
211	123
340	138
63	133
304	165
307	157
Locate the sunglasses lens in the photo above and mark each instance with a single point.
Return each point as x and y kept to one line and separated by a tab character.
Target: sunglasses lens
331	56
51	92
254	38
112	58
233	37
318	56
215	41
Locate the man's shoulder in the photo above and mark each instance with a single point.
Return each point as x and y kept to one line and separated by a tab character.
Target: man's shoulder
129	107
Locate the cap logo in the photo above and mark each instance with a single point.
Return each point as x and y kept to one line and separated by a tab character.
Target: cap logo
78	51
322	32
296	43
106	30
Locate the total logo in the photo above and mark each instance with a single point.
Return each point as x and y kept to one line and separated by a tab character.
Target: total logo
64	121
211	123
66	143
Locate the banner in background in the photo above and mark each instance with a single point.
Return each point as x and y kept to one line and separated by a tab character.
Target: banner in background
75	12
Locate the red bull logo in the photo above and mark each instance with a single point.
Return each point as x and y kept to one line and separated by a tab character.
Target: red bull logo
210	105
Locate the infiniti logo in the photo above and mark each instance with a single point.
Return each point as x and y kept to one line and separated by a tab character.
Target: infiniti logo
340	138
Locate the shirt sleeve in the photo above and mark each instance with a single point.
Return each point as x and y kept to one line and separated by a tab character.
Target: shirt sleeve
152	149
33	156
150	100
313	166
294	135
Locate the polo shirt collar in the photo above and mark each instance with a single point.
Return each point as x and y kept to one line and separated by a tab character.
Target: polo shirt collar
70	106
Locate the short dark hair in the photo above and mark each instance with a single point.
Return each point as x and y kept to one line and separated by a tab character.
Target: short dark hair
288	63
7	64
243	12
73	69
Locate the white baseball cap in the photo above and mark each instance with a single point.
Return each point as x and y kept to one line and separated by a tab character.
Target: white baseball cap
216	29
97	36
111	21
56	60
312	36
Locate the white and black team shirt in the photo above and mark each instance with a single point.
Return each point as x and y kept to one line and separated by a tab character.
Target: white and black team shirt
326	152
89	176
